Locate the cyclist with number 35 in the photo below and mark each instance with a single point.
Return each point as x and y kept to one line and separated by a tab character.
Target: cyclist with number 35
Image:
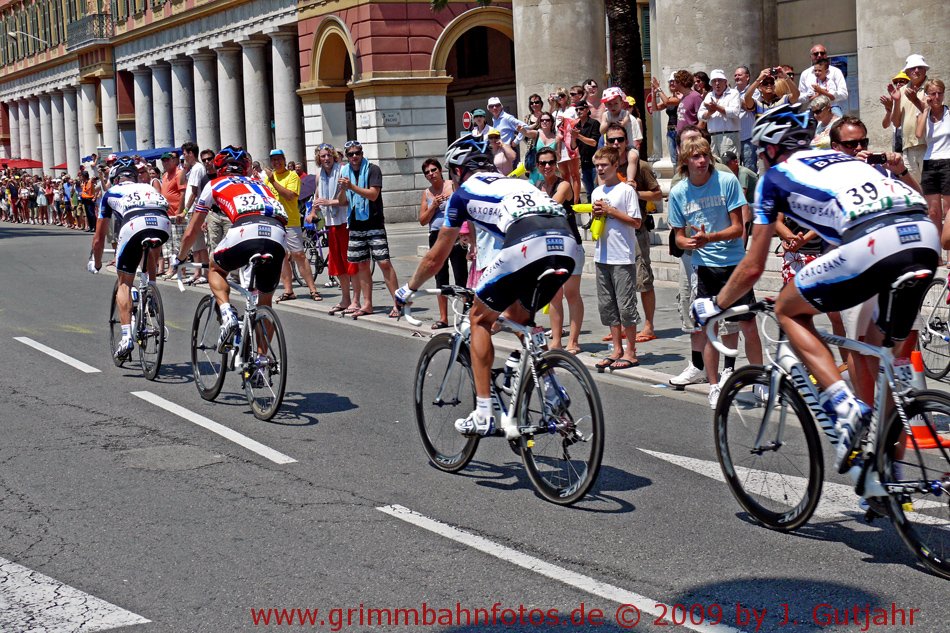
139	212
537	237
881	231
258	221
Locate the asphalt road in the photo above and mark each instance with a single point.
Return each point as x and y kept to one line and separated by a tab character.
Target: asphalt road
104	492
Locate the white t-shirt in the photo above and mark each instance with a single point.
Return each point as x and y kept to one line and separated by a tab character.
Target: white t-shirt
196	174
938	137
618	242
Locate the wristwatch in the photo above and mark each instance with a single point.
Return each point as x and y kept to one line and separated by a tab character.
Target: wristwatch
903	173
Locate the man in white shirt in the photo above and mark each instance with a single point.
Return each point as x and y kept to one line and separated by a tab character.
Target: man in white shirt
720	111
747	156
837	85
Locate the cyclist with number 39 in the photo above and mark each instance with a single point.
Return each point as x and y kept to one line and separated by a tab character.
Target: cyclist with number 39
139	212
258	221
536	237
881	230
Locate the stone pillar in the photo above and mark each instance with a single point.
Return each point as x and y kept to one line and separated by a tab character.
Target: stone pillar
13	118
288	116
36	141
230	96
26	148
144	132
206	101
87	106
324	118
886	36
72	136
257	115
183	101
542	26
162	104
110	113
59	127
46	131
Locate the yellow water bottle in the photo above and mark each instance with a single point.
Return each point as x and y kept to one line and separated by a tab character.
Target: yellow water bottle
597	227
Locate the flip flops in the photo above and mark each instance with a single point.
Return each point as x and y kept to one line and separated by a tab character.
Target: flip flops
643	338
357	314
337	308
623	363
286	296
439	325
604	364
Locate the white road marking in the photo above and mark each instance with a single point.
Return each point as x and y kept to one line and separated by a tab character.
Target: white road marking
31	601
69	360
579	581
229	434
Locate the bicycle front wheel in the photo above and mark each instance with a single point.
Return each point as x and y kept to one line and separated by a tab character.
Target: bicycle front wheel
916	474
207	364
443	393
265	369
115	327
935	313
151	332
775	469
564	446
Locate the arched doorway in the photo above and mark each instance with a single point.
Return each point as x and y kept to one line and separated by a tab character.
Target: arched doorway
460	54
331	75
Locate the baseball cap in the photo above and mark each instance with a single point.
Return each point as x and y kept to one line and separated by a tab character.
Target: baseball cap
112	158
276	152
673	76
478	112
493	132
717	74
901	76
915	60
169	155
494	101
611	93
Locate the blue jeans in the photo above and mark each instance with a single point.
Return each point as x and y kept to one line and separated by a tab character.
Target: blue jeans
671	145
589	178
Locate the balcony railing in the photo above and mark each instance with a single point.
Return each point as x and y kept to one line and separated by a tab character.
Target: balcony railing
90	30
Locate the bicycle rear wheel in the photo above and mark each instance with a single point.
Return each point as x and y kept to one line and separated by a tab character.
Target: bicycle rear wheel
151	332
115	327
778	481
563	453
265	369
918	479
935	313
443	394
207	364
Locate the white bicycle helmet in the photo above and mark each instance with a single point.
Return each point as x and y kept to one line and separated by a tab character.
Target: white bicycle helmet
788	126
124	166
469	152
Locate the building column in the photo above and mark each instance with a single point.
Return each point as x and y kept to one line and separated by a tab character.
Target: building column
46	131
5	115
206	101
59	127
230	95
288	116
110	113
87	107
162	104
72	136
26	148
183	101
257	115
36	141
144	132
13	116
881	52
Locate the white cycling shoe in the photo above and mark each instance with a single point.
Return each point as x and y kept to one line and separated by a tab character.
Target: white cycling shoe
849	430
475	424
123	351
229	325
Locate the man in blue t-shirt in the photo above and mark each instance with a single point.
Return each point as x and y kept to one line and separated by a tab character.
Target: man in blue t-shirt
706	211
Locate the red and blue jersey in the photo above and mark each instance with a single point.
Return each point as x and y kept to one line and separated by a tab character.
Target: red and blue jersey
240	196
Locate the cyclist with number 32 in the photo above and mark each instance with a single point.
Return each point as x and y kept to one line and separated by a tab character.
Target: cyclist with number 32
881	231
258	222
537	238
139	213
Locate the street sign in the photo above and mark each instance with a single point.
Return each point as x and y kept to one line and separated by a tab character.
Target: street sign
467	120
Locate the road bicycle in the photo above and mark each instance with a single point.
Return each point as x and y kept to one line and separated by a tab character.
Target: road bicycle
258	351
314	241
768	445
545	398
934	343
148	318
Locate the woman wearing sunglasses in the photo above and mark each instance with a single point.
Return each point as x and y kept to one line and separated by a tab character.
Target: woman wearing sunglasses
544	137
821	109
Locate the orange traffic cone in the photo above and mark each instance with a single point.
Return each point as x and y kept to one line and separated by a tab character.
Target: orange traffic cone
925	438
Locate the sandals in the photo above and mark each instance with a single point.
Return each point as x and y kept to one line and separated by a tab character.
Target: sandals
315	295
395	313
337	308
361	312
286	296
643	338
439	325
604	364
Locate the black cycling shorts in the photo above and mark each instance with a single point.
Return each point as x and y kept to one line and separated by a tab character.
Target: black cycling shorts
250	236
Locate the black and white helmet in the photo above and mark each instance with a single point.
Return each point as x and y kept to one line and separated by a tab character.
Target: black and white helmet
469	152
124	166
788	126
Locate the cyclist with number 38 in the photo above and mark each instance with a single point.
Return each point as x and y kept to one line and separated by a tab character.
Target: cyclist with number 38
258	221
881	231
139	213
537	238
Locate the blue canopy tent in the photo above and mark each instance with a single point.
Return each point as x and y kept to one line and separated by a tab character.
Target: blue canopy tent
147	154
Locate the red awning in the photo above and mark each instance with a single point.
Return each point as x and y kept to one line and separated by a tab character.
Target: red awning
60	166
20	163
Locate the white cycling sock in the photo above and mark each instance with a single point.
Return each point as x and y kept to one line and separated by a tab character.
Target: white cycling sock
127	331
841	398
483	406
226	308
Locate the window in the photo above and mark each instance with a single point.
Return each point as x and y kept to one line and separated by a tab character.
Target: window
645	32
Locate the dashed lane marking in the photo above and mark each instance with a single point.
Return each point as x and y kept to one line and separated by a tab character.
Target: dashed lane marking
69	360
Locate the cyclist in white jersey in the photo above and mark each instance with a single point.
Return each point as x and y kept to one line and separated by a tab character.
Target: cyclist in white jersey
138	212
536	237
881	230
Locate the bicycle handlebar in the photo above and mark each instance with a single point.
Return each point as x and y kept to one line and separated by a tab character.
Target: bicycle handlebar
182	267
445	291
766	305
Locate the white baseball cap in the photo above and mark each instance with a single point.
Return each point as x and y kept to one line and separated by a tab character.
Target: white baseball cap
494	101
611	93
915	60
717	74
